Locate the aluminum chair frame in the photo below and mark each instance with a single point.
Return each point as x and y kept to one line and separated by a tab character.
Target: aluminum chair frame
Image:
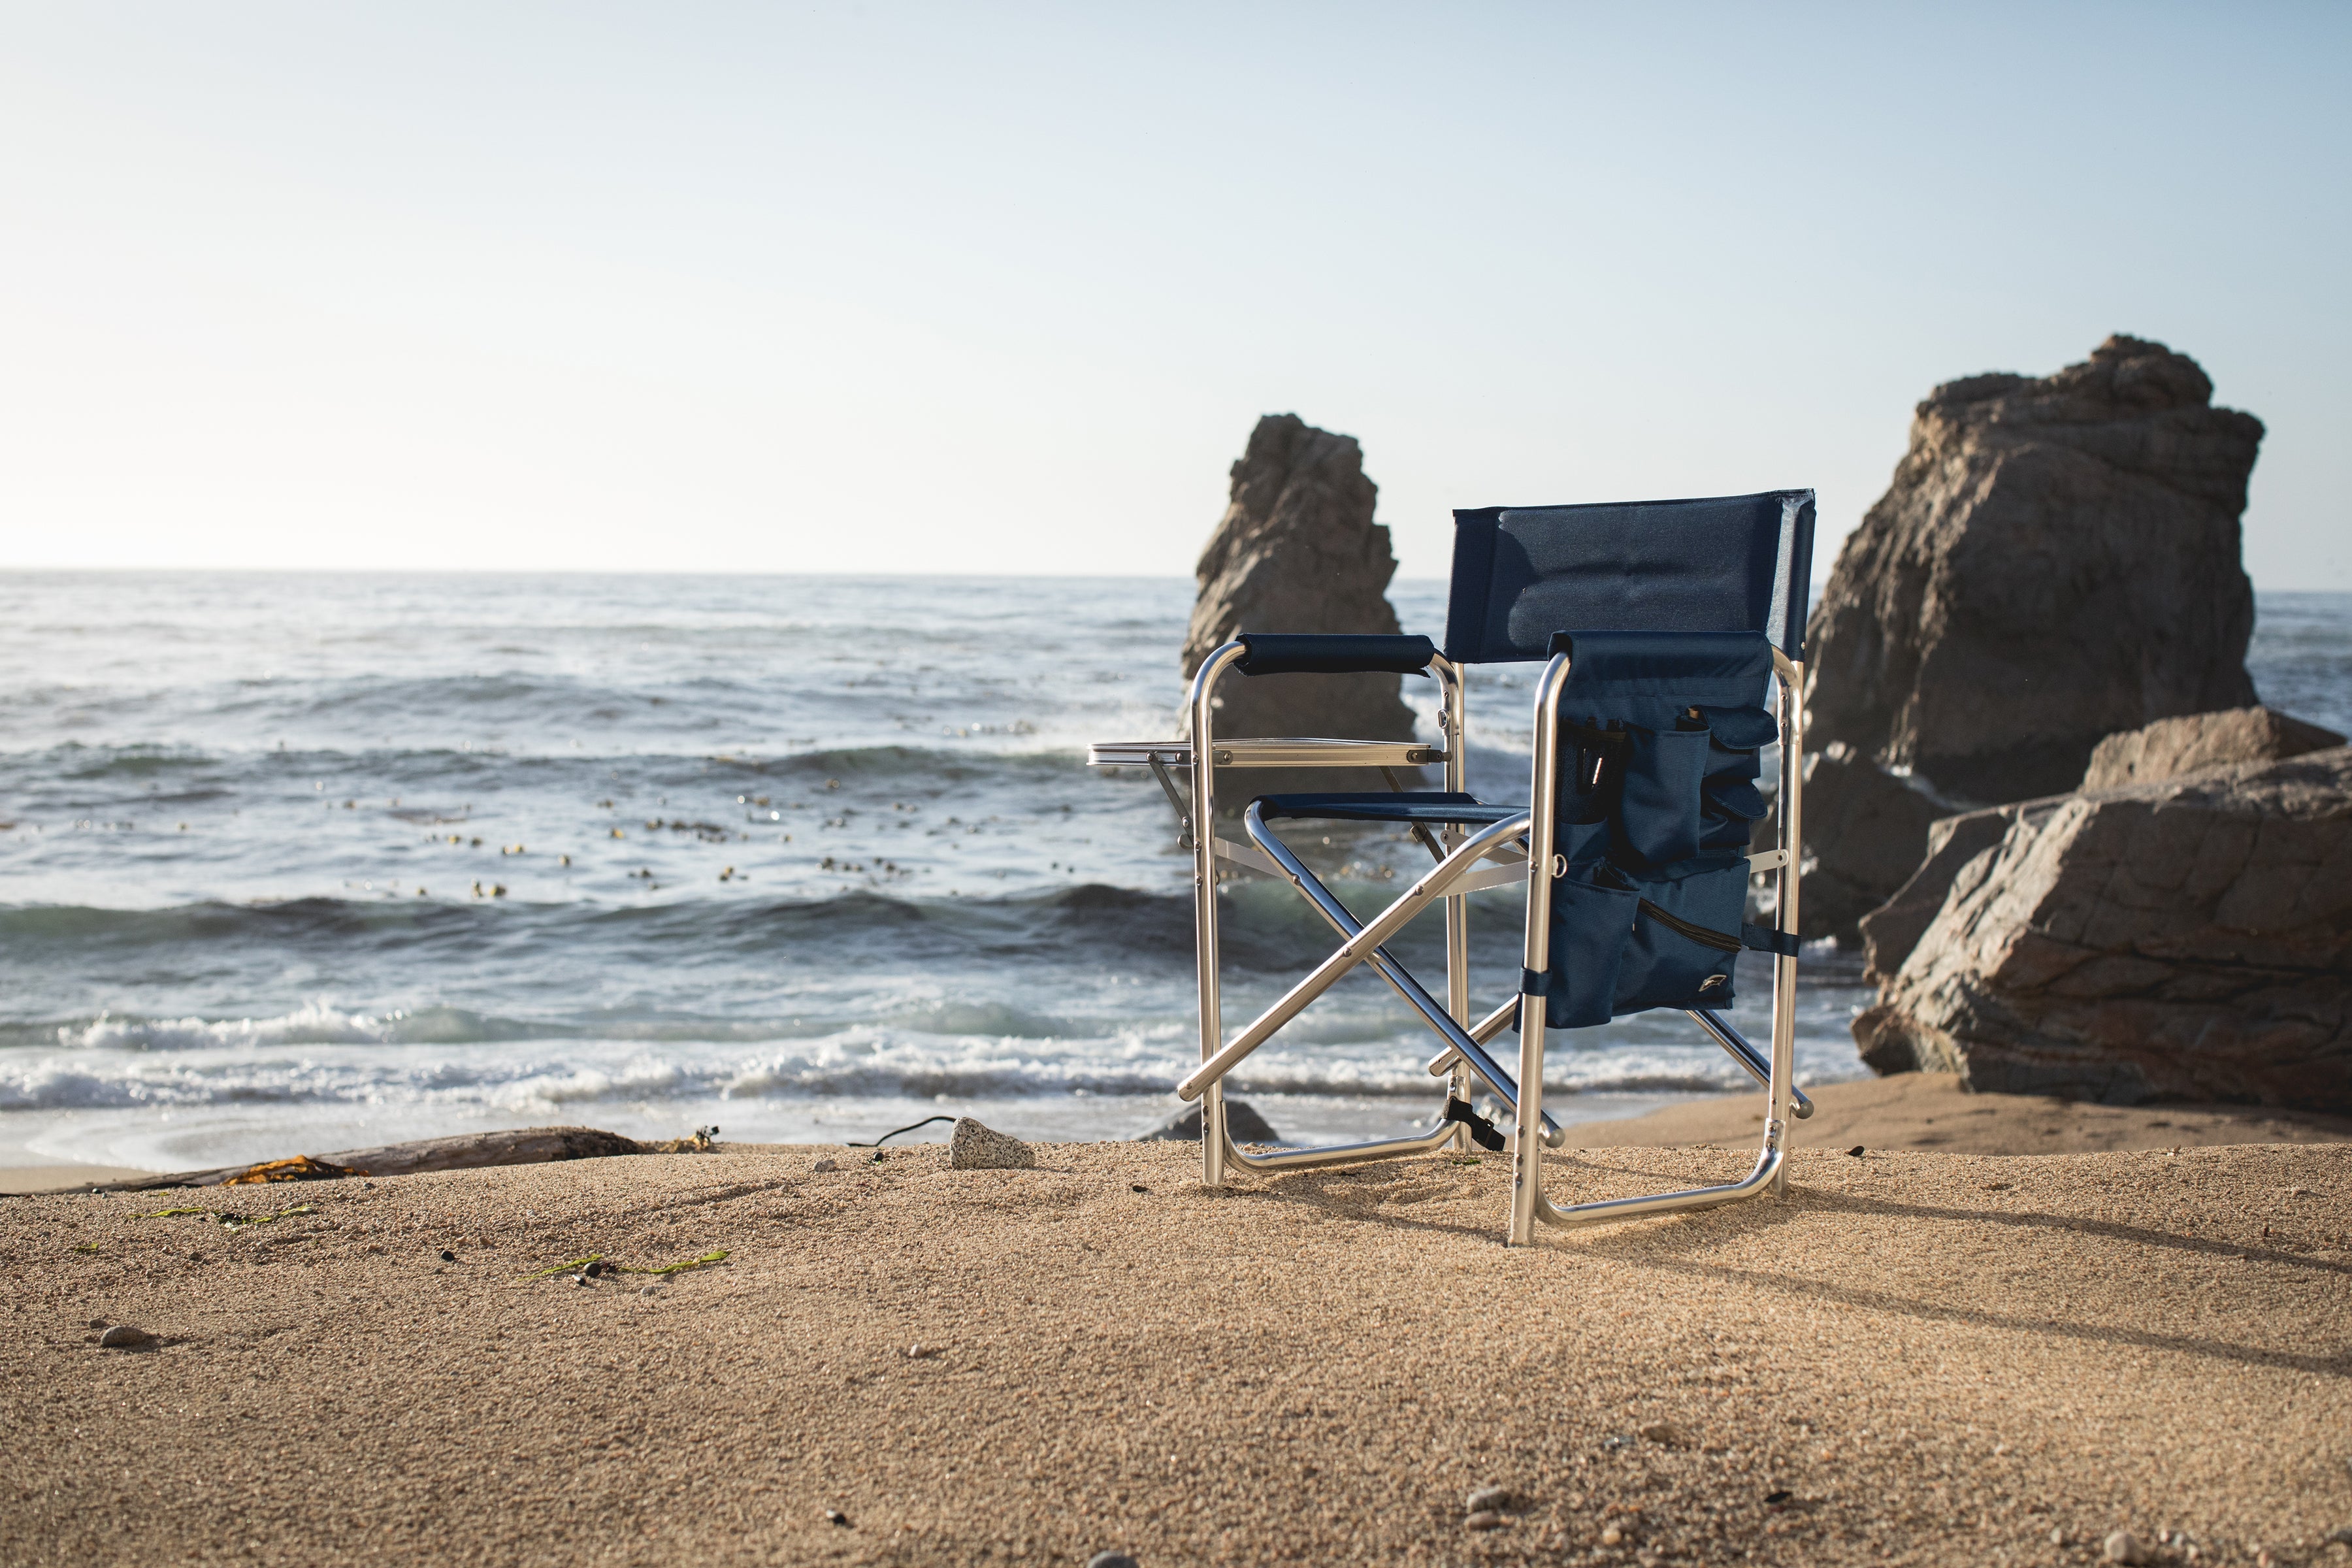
1521	847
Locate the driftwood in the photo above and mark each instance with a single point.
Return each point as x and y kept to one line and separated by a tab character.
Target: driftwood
522	1146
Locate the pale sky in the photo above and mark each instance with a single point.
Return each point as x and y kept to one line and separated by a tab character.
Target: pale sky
887	288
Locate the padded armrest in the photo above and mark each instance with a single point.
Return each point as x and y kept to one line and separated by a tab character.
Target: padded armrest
1333	653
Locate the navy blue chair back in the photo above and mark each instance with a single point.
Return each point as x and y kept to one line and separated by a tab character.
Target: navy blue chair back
1724	563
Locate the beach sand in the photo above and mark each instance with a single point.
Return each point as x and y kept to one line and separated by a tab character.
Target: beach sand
1929	1110
1924	1356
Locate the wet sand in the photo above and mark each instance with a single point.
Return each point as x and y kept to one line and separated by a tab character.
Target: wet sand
1923	1356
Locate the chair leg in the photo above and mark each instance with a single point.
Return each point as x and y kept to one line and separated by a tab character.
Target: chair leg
1527	1135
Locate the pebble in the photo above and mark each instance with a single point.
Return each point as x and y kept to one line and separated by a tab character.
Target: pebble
1613	1536
826	1166
447	1255
1485	1519
123	1337
2123	1546
834	1516
1857	1151
1111	1560
1488	1499
649	1289
1663	1432
974	1147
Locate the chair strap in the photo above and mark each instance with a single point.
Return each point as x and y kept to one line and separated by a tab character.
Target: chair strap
1483	1132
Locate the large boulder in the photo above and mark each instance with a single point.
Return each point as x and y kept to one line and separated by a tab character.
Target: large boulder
2186	940
2168	749
1891	930
2199	742
2056	560
1298	551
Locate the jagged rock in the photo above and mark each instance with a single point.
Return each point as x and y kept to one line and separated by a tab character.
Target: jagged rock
1891	930
2169	748
2199	743
2187	940
2055	561
1865	832
1298	551
974	1147
1243	1124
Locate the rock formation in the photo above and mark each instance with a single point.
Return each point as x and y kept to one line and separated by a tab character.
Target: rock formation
1890	932
1298	551
2168	749
2184	940
2056	560
2199	742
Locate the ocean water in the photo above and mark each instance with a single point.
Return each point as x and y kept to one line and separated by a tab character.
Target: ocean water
306	862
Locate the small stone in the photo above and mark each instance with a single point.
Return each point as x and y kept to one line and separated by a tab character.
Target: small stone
582	1279
649	1289
1110	1560
1778	1498
1485	1519
923	1351
1488	1499
834	1516
825	1165
2123	1546
2057	1536
123	1337
2339	1537
973	1147
1663	1432
447	1255
98	1322
1857	1151
1613	1536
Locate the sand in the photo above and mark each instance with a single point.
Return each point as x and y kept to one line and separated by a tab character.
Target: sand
1921	1357
1929	1110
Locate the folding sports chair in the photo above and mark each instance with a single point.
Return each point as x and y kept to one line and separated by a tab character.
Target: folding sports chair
1664	625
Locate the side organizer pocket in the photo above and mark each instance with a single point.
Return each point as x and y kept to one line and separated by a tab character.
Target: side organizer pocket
1729	802
1658	810
1590	923
1684	945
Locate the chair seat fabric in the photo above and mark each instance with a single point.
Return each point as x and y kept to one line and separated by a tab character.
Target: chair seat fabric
1410	805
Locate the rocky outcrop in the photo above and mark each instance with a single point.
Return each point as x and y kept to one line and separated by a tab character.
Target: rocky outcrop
2186	940
2199	742
1891	930
2055	561
2168	749
1298	551
1865	831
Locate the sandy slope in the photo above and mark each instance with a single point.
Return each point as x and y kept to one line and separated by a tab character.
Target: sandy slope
1927	1110
1940	1357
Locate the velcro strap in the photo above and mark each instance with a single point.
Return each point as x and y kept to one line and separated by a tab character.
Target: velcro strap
1764	939
1483	1132
1535	981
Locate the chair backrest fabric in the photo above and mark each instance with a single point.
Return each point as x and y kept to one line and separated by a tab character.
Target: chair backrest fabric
1724	564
